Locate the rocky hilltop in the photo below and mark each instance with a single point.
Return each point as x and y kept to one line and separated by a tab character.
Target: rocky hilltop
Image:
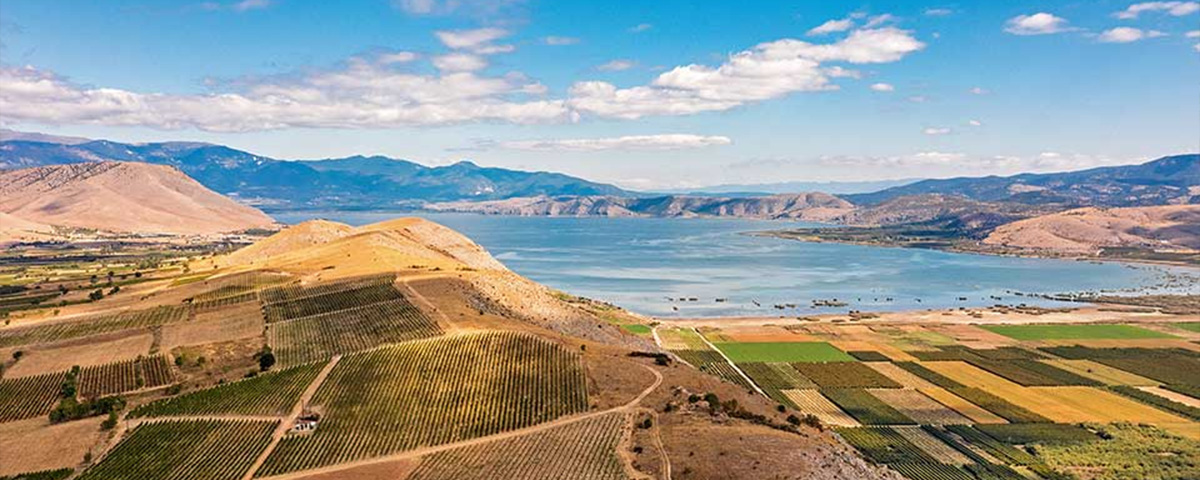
118	197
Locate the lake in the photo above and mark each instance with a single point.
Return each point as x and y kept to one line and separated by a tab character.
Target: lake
646	264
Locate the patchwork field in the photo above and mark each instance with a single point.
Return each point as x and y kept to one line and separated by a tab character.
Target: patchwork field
812	402
784	352
919	407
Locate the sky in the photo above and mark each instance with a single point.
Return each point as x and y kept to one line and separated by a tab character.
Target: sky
643	94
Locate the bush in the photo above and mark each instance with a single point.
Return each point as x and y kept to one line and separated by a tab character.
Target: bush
110	422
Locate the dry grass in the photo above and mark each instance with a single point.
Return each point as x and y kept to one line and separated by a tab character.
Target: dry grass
917	406
84	352
33	444
1172	396
227	324
812	402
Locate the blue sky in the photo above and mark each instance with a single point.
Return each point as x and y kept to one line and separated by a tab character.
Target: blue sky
662	94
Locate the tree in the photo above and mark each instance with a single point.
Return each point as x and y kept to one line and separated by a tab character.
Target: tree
96	294
266	360
110	422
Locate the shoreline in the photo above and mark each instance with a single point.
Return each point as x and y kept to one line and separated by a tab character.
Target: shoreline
1040	255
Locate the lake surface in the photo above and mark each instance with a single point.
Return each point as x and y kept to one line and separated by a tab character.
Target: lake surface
646	264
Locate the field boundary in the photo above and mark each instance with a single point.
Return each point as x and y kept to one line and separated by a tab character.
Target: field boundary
287	422
730	362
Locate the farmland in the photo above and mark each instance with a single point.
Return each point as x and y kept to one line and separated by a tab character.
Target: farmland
435	391
1075	332
585	449
29	396
142	372
185	450
266	394
69	329
984	412
783	352
321	336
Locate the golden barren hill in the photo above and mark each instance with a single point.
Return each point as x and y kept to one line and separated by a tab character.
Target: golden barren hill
119	197
1087	230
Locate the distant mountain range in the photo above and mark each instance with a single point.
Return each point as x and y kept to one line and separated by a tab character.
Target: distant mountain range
813	206
764	189
345	183
1168	180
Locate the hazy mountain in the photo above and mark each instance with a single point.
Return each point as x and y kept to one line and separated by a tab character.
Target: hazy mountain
763	189
1159	182
802	206
353	182
6	134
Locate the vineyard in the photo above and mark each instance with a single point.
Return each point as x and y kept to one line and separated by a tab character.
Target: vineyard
330	302
580	450
127	376
320	337
240	284
266	394
844	375
63	330
712	363
1169	366
292	292
434	391
59	474
28	397
925	454
185	450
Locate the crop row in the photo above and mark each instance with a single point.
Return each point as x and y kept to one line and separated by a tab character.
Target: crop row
844	375
58	474
240	284
320	337
295	292
62	330
864	407
1166	365
130	375
330	302
432	392
266	394
584	449
28	397
1032	372
185	450
1157	401
201	306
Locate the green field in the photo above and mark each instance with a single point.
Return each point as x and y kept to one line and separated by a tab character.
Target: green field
637	329
1191	327
1074	332
787	352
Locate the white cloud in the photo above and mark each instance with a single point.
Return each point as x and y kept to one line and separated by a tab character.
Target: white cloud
1127	35
477	40
641	27
632	142
616	65
1196	47
1037	24
879	20
459	62
936	163
1192	34
933	131
883	87
832	26
978	91
559	41
1177	9
938	12
485	9
974	123
359	95
918	99
251	5
769	70
397	57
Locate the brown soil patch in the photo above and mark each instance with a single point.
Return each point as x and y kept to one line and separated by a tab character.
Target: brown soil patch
393	470
973	336
33	445
766	333
613	380
227	324
700	449
84	352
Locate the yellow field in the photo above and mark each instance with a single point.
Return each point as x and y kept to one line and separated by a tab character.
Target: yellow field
974	412
899	375
1060	404
1101	372
1172	396
811	401
917	406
